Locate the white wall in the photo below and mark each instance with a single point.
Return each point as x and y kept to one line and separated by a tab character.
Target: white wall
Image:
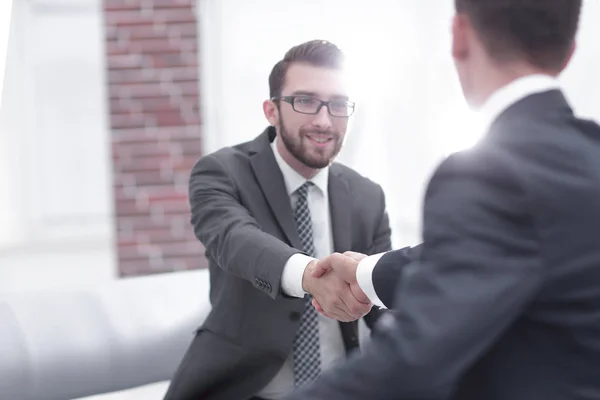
410	112
55	197
5	12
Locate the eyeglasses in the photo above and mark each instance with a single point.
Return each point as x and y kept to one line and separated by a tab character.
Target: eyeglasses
311	105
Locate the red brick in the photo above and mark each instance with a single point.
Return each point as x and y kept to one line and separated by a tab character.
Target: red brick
188	4
129	121
161	103
130	207
148	148
161	195
170	60
171	207
152	179
124	5
137	17
188	263
142	31
134	224
163	46
156	131
185	248
134	135
183	30
129	61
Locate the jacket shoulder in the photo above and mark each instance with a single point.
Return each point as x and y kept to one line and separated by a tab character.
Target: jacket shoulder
355	180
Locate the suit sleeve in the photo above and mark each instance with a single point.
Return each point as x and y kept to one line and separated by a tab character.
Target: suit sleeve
229	233
387	273
479	269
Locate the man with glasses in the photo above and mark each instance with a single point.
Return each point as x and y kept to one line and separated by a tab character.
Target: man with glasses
266	210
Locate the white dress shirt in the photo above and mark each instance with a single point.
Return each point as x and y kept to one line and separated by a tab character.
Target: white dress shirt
330	335
498	102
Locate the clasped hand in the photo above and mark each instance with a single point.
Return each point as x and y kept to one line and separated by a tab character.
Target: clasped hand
333	286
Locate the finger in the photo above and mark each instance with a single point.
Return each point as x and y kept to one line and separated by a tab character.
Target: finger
319	309
353	307
334	312
340	316
317	306
359	294
354	255
345	268
321	267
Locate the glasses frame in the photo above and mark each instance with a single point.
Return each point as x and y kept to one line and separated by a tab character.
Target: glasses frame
290	100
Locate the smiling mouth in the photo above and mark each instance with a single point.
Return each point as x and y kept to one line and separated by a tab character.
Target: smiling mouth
320	139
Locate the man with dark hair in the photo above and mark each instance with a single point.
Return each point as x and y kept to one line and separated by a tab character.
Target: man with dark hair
503	300
265	211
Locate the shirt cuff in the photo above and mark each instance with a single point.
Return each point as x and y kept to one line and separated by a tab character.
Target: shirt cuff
364	277
293	272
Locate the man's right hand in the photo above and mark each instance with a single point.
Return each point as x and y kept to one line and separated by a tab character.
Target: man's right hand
334	295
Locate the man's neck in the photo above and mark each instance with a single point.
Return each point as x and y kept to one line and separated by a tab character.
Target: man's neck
493	79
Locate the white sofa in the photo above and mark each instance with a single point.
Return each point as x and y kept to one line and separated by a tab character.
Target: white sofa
66	344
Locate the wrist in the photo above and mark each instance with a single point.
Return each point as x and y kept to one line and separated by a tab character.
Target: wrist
307	276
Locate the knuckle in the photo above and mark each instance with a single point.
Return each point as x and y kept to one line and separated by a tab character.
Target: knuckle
358	309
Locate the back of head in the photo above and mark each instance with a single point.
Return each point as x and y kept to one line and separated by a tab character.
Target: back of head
539	32
318	53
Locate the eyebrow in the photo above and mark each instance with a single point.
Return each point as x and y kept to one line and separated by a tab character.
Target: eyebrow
313	94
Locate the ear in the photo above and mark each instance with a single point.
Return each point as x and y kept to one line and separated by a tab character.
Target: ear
460	48
271	112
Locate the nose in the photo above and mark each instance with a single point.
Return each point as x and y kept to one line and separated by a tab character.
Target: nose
322	119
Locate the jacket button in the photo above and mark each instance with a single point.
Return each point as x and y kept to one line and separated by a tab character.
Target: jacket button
295	316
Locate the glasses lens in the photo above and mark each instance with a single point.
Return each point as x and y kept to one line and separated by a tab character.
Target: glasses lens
341	108
310	105
306	105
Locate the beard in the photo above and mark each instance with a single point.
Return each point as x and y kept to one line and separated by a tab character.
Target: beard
303	150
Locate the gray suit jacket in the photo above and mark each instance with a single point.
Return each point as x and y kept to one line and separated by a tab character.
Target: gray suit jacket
504	300
241	213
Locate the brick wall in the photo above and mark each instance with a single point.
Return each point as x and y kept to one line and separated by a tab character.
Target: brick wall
153	89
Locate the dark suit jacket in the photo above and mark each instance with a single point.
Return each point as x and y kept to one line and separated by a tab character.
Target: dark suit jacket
241	213
504	303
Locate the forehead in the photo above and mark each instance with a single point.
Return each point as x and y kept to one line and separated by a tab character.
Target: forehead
323	81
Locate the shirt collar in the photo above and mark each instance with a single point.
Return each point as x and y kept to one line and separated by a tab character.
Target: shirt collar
510	94
293	180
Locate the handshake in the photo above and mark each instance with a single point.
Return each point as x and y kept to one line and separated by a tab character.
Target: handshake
334	288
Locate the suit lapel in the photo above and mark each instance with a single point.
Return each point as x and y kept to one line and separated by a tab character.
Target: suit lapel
271	181
340	210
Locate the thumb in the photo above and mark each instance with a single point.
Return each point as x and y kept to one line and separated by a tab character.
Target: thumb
345	268
320	268
354	255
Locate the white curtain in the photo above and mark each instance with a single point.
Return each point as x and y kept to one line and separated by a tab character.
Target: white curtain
410	110
55	171
5	13
5	175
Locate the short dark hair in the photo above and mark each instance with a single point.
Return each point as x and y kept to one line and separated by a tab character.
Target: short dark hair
541	32
320	53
